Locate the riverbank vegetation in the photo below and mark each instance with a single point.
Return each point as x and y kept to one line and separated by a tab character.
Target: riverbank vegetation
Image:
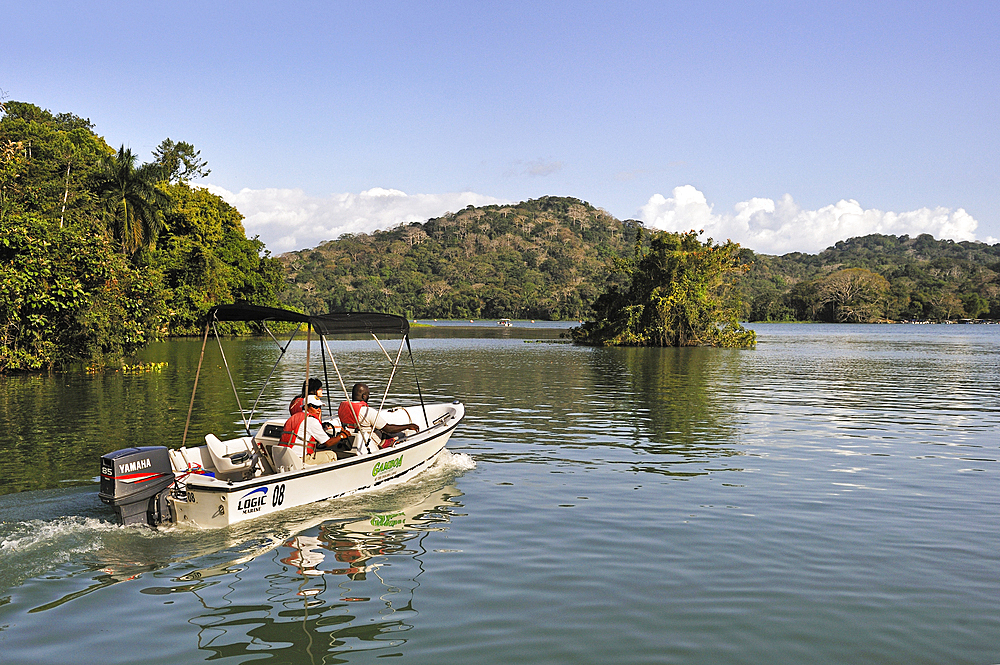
876	278
99	253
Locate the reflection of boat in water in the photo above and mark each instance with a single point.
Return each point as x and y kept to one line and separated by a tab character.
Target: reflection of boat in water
504	322
328	546
225	482
353	544
335	588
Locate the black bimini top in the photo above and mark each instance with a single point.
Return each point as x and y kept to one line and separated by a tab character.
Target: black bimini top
325	324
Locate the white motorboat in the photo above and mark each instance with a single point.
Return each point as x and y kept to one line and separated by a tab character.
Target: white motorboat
222	482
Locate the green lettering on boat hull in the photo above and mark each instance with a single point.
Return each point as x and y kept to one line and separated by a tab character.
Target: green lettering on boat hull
382	467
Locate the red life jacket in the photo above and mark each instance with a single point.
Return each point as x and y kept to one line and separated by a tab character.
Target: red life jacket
289	433
350	412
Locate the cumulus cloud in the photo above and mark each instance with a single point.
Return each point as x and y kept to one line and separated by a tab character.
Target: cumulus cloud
779	227
289	219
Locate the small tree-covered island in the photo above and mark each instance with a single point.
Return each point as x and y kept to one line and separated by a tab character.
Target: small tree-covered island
681	292
101	253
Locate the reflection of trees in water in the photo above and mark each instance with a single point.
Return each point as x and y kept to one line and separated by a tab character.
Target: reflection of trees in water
669	402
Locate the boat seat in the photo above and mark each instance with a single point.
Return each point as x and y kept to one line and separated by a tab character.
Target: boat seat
287	459
185	459
322	457
229	456
359	446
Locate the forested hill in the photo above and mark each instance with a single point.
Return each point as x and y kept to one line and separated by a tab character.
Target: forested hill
547	258
877	277
550	258
100	253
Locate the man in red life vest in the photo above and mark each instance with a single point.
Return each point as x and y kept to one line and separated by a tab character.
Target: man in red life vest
307	429
356	415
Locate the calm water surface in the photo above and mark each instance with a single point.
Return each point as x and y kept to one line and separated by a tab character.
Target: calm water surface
830	497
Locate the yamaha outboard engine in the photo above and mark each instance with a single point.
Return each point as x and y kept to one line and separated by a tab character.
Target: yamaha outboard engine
135	481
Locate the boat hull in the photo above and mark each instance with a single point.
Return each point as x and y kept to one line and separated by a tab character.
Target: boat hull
210	502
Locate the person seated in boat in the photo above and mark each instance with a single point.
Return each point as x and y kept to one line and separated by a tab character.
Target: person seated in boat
357	415
307	429
315	387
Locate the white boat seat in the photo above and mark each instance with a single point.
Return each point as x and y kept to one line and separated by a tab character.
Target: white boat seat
287	459
359	446
229	456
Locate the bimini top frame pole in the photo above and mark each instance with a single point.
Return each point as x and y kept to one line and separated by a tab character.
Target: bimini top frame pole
187	423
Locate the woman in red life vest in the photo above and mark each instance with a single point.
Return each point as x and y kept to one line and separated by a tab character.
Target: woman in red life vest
315	388
356	415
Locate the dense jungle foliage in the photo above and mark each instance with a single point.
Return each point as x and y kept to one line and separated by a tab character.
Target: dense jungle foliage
99	255
547	258
681	292
876	278
551	258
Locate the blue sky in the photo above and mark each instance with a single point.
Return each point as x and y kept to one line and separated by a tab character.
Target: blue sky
785	126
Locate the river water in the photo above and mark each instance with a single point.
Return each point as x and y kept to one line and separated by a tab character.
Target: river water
832	496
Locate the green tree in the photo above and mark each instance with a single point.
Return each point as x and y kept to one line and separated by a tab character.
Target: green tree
681	293
206	259
974	305
180	161
13	165
59	154
67	296
854	295
133	204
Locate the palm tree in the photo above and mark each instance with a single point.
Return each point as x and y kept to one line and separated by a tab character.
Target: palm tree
132	202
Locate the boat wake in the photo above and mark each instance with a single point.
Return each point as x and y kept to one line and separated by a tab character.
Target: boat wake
84	544
31	547
35	536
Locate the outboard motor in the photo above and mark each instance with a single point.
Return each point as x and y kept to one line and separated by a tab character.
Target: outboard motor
135	481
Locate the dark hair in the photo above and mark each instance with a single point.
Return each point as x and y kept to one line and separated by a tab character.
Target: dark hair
357	391
314	385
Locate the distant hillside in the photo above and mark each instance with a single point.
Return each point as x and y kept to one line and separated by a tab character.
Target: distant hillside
550	258
926	279
547	258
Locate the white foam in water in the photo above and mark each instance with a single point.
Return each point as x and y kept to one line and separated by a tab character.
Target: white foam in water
24	536
455	461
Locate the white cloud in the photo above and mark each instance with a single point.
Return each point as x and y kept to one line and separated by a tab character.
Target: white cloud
289	219
779	227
